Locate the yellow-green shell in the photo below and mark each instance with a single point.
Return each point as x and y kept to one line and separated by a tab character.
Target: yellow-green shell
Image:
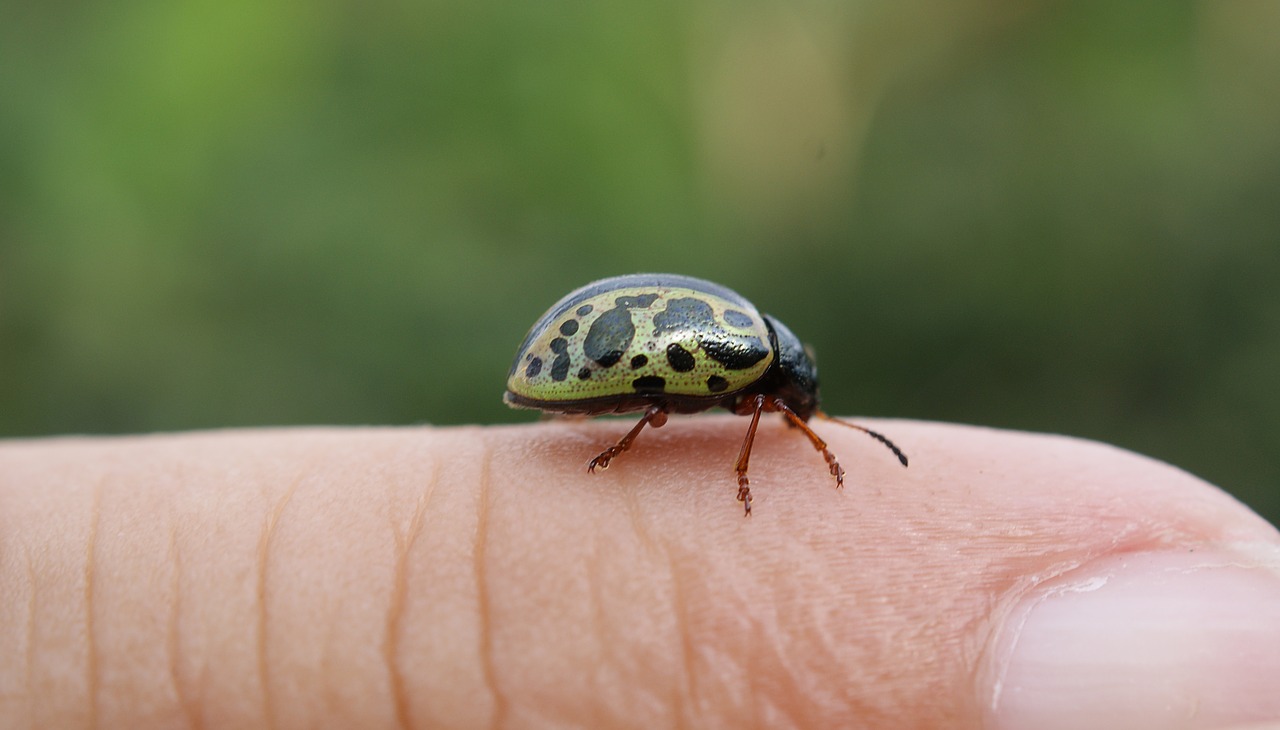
641	334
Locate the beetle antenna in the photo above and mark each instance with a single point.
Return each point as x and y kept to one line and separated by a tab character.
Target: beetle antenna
873	434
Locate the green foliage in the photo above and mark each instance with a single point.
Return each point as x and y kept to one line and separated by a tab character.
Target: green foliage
1060	217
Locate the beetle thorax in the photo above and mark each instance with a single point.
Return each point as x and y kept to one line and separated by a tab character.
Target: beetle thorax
793	376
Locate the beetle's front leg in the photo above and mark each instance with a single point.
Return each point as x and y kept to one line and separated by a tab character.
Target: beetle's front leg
655	416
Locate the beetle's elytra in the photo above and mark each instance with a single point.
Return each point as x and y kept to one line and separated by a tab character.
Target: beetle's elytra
665	343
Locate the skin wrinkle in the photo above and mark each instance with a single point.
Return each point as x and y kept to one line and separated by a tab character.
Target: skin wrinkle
488	666
631	501
189	711
264	550
784	680
31	627
652	547
395	614
774	674
90	567
599	623
332	699
680	609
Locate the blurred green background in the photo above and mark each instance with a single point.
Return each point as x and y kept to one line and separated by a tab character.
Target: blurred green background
1057	216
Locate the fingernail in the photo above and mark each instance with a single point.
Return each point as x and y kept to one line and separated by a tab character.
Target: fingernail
1145	640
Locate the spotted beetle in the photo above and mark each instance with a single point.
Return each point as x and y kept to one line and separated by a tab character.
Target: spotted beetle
665	343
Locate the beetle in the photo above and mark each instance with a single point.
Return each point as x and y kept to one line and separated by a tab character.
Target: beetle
667	343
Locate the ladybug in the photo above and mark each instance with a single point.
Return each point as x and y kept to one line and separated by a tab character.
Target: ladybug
662	344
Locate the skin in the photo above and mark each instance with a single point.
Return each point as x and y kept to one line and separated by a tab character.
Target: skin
479	577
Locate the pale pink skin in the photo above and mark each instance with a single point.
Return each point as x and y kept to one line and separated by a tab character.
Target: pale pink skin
480	577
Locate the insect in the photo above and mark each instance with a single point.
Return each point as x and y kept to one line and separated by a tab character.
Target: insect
662	344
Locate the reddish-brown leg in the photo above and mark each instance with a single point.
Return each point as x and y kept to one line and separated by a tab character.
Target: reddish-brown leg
655	416
754	407
832	465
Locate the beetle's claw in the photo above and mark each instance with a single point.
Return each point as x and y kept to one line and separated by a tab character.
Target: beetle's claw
836	470
600	462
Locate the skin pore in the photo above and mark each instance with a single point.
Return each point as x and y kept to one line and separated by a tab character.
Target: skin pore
480	577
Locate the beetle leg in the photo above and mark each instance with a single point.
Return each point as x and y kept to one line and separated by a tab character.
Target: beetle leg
832	465
755	406
655	416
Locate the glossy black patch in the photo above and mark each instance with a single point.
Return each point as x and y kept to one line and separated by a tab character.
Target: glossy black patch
559	345
584	373
584	310
569	328
639	361
533	368
735	352
716	384
738	319
560	367
649	384
681	360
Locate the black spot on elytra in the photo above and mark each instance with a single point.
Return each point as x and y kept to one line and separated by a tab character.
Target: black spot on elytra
686	313
716	384
533	368
738	319
612	332
584	373
559	345
609	336
639	361
734	351
640	301
560	367
569	327
681	359
584	310
649	384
